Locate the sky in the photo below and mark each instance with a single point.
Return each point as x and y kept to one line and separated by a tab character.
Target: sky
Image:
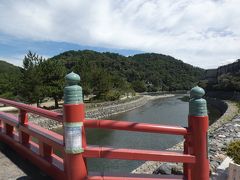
204	33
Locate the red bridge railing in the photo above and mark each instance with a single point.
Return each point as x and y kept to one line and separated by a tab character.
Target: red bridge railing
71	165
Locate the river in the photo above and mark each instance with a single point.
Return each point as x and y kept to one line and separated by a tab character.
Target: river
170	111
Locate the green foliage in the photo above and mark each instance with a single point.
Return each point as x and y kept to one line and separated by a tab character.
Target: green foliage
233	151
9	80
155	71
228	82
31	89
112	95
42	78
53	73
139	86
8	68
106	75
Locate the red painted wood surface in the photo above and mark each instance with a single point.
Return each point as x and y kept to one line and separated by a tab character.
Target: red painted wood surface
75	164
28	108
134	126
53	167
121	176
44	135
137	154
23	120
199	126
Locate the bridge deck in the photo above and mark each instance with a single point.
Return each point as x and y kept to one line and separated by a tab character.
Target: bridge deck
8	169
14	167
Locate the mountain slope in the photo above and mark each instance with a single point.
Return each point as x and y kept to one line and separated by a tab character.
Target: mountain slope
154	71
9	79
6	67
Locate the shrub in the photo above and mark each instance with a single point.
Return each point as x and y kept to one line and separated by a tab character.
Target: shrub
233	151
112	95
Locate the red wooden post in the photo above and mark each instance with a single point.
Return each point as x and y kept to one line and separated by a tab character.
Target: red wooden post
198	125
23	119
186	166
74	134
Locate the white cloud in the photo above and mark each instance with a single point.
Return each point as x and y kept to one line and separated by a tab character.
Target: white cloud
201	32
16	59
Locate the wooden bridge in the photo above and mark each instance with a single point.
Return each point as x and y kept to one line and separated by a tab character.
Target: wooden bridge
18	133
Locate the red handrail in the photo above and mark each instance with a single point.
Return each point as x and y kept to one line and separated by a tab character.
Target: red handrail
137	154
121	176
47	136
39	111
134	126
53	167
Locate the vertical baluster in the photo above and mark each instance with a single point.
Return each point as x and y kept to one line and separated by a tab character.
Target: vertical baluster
186	166
45	151
23	120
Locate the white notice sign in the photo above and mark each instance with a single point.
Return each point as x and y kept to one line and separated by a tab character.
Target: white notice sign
73	137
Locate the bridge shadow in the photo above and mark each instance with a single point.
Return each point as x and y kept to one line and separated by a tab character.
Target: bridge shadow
32	172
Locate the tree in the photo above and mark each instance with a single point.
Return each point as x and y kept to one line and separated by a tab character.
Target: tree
157	71
53	72
228	82
31	89
102	83
86	72
9	84
10	80
139	86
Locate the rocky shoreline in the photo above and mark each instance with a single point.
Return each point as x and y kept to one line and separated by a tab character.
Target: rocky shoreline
225	129
101	110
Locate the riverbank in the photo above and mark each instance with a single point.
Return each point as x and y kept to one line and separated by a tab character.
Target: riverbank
217	145
101	110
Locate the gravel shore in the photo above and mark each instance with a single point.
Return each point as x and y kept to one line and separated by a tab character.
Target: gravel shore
101	110
224	130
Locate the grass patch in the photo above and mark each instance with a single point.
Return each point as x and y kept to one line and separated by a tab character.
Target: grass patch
233	150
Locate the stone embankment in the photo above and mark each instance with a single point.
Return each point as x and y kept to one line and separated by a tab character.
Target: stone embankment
102	110
224	130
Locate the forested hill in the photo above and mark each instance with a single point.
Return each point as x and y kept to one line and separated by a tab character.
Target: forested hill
106	75
148	71
8	68
9	79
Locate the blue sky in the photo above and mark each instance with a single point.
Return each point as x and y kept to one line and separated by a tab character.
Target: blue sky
13	49
204	33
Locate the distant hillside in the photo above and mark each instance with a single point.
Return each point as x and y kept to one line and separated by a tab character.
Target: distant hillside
106	75
224	78
6	67
148	71
9	79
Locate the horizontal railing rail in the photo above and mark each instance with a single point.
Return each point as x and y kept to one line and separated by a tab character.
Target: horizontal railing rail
134	126
47	136
137	154
35	110
17	135
53	166
118	176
